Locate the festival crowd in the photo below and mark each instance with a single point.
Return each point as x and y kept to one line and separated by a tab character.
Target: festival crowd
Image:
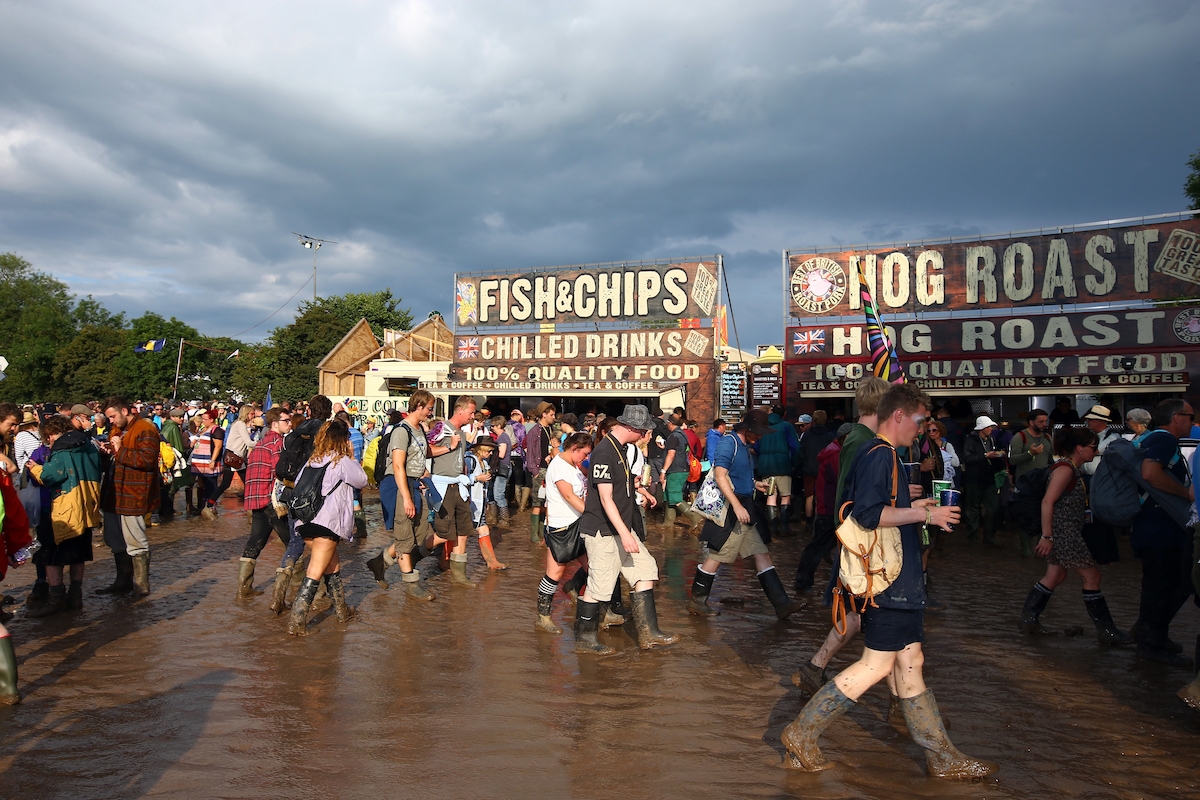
899	480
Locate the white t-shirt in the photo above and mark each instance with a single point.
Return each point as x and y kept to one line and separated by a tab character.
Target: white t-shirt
637	463
559	513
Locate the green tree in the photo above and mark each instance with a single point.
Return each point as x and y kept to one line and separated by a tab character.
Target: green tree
85	369
151	376
1191	187
289	361
37	313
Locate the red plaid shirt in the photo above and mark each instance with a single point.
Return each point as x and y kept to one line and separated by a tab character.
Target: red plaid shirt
260	470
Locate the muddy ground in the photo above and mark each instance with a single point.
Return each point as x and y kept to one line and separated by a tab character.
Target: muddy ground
187	694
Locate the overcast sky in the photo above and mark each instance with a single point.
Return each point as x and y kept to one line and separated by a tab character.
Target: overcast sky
157	155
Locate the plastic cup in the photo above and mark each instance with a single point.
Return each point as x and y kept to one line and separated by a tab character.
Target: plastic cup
914	472
939	487
950	497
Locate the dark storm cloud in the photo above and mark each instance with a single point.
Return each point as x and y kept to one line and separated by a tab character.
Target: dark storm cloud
157	156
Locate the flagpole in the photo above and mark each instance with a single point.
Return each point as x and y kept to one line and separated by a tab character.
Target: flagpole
178	363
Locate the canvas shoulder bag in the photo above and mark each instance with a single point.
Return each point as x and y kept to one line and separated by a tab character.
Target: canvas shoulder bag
870	559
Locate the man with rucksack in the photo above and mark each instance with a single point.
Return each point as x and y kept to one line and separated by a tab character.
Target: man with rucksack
893	621
1162	544
1030	449
403	459
674	473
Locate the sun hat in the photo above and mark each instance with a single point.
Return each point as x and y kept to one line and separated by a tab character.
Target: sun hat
984	421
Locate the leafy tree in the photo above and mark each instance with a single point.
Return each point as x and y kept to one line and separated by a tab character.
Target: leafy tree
85	369
151	376
1191	186
291	356
37	313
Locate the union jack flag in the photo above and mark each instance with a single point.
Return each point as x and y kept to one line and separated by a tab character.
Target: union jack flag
468	347
812	341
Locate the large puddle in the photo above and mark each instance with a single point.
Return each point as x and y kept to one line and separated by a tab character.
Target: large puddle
187	694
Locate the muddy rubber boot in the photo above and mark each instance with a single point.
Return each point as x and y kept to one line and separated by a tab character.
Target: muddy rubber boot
56	602
414	587
522	498
75	596
800	737
337	593
458	571
645	618
810	678
283	580
298	624
503	515
9	695
1035	604
489	553
141	576
544	604
123	581
246	588
379	569
587	626
773	588
671	515
575	584
38	595
942	758
535	527
1106	630
701	589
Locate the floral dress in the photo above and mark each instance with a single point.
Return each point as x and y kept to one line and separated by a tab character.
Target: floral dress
1069	550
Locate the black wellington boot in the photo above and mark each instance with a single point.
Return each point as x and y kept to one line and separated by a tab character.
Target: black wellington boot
9	695
337	593
773	587
1035	604
544	622
645	617
574	584
785	521
942	758
800	738
587	626
75	596
1106	629
298	624
701	589
123	581
378	570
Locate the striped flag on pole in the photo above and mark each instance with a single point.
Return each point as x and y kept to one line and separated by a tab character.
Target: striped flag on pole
884	361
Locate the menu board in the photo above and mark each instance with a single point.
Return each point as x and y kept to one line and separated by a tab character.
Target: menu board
766	385
733	389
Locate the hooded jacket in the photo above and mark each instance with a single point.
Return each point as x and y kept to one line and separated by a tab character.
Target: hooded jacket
72	474
776	453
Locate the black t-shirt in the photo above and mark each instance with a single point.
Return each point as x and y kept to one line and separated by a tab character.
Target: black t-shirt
677	442
656	448
607	465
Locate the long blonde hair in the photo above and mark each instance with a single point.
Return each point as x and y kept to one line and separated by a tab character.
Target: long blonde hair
332	439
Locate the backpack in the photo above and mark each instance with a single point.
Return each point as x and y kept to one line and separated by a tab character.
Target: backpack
1116	487
870	560
306	498
1028	491
371	460
297	448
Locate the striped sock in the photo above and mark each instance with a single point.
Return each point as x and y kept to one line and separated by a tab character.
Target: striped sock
547	586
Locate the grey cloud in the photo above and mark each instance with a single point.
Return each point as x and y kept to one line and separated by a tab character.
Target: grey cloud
149	152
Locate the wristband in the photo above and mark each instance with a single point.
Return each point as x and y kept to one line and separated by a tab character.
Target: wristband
928	515
1048	538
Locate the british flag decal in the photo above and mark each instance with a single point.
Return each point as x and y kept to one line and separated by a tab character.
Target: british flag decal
468	347
811	341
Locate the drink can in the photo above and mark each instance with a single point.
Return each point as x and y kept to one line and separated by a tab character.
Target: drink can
914	472
939	487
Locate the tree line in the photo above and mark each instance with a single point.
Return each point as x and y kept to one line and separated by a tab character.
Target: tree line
65	349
